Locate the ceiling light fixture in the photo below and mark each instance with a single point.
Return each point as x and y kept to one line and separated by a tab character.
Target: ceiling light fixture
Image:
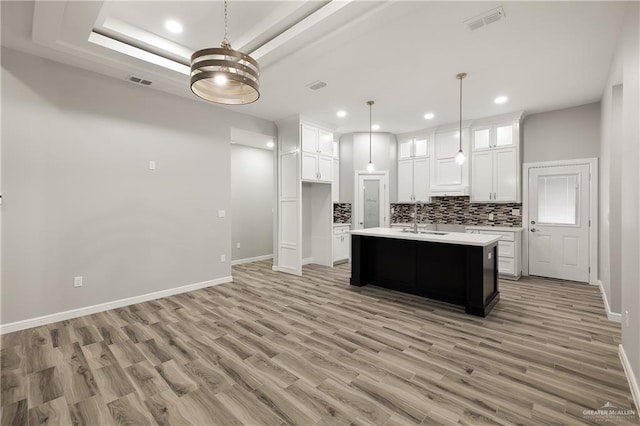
270	144
429	116
173	26
501	99
375	127
460	154
341	113
224	75
370	166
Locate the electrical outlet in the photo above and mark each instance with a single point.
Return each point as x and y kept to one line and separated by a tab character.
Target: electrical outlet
222	213
77	281
238	246
223	258
152	165
626	318
515	212
490	216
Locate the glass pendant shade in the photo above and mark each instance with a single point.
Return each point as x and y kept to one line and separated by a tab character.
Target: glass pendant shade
370	167
460	158
225	76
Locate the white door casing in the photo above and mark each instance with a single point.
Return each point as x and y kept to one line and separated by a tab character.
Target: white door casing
382	178
559	221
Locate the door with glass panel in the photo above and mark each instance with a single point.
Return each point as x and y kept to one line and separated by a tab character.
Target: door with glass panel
559	222
371	201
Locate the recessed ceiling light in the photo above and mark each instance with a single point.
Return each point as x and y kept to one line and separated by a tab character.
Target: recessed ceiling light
341	113
375	127
173	26
500	99
429	116
270	144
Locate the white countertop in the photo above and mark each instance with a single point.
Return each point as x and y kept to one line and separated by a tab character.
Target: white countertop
495	228
450	237
341	224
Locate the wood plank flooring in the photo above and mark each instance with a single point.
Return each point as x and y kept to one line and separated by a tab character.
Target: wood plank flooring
274	349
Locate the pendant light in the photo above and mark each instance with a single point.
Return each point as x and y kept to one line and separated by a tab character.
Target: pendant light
460	154
223	75
370	166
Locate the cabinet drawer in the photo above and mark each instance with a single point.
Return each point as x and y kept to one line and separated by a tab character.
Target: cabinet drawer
339	230
506	266
506	249
506	236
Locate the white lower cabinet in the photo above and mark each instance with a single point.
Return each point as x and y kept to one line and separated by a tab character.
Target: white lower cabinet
341	243
509	248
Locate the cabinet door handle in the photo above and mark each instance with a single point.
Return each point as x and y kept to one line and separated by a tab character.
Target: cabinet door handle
494	196
490	196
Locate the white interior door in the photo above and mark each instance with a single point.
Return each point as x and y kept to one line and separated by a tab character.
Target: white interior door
372	201
559	222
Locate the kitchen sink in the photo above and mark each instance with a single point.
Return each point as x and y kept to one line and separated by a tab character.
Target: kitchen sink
422	231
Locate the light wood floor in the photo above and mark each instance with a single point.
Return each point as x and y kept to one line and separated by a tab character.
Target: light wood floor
275	349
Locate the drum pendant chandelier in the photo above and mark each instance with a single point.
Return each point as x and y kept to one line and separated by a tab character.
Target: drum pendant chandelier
223	75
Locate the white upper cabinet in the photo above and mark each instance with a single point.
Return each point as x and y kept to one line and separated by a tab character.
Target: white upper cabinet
413	170
505	135
447	176
412	148
325	142
317	154
495	161
405	149
309	136
420	148
335	184
481	138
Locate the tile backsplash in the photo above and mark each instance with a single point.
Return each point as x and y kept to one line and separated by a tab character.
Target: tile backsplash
458	210
341	213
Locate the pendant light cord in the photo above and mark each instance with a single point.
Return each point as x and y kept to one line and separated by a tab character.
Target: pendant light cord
461	113
370	106
225	41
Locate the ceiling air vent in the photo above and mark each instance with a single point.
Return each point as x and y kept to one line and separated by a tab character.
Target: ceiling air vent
139	80
485	18
316	85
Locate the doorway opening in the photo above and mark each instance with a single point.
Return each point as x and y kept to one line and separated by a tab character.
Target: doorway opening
252	196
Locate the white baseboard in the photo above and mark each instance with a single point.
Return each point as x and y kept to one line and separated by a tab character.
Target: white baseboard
74	313
307	261
251	259
613	316
628	371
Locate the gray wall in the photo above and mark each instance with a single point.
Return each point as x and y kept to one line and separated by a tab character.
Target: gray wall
252	189
79	198
620	187
354	155
564	134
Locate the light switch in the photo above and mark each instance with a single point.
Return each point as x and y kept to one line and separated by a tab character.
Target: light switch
152	165
222	213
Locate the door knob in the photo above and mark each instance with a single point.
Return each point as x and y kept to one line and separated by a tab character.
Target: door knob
361	223
533	229
533	222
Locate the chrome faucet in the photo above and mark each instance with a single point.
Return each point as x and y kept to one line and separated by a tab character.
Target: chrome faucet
415	215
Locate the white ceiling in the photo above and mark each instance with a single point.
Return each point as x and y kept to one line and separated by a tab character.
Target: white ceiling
403	55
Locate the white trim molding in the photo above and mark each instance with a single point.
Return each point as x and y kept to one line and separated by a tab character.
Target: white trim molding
251	259
88	310
628	371
593	211
612	316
